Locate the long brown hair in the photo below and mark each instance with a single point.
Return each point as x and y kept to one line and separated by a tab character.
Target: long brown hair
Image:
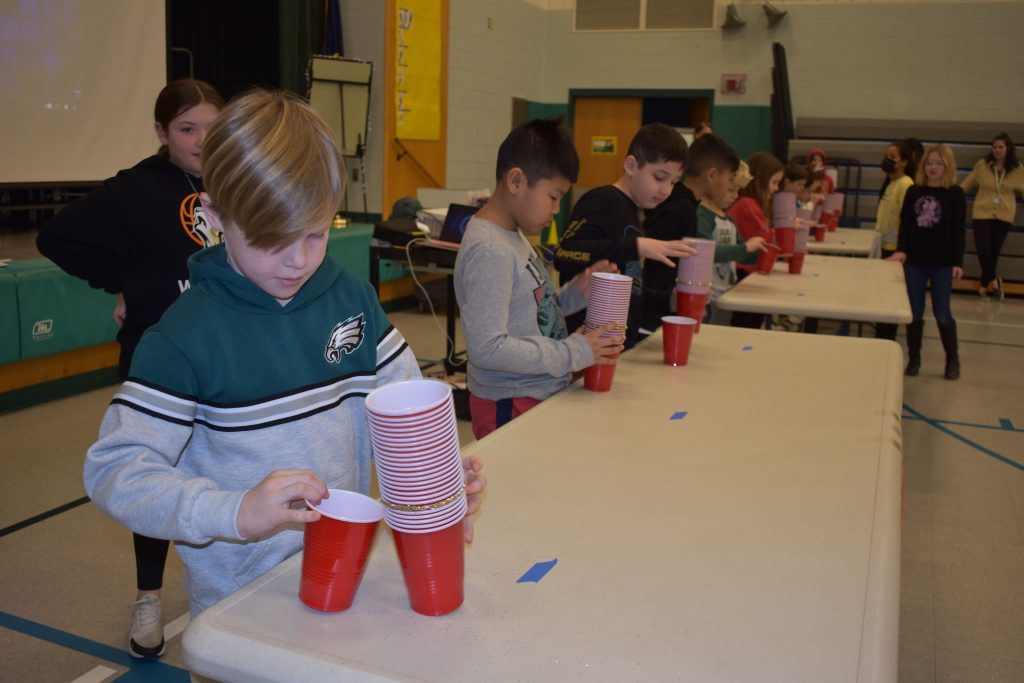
762	166
180	96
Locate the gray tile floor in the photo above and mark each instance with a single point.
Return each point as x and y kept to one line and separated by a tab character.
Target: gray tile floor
65	582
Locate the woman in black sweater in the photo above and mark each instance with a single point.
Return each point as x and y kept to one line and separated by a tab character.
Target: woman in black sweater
930	246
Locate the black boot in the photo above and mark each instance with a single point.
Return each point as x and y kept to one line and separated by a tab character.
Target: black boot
948	333
915	331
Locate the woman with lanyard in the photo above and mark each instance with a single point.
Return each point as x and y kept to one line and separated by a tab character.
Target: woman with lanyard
996	177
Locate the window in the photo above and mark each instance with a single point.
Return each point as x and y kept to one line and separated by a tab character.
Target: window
637	15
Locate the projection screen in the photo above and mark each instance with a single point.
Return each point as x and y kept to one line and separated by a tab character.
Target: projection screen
78	80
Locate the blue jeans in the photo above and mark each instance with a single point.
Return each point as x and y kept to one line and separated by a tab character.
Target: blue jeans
942	290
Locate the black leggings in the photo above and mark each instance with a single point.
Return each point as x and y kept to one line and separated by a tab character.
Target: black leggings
742	318
150	557
989	236
886	330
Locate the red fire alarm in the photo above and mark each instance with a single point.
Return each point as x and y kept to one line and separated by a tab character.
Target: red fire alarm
734	84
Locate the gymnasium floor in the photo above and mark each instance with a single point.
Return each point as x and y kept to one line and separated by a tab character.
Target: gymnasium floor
66	581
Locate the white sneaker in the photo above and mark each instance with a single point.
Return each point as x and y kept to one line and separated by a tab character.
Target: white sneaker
146	638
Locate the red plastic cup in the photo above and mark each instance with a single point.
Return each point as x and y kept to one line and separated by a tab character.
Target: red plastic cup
819	233
677	336
433	566
766	259
599	377
796	264
787	239
691	305
336	549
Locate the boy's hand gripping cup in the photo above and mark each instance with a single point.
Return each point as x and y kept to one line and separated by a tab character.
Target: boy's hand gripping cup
766	258
677	337
607	302
422	486
336	549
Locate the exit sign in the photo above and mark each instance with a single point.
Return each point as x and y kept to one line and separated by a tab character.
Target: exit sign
734	84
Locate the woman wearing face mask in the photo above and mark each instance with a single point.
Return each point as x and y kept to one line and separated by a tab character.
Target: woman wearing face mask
996	177
897	164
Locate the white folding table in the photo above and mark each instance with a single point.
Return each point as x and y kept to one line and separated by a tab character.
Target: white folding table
848	242
737	519
833	287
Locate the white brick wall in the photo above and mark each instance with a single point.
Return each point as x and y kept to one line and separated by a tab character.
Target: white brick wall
917	59
487	67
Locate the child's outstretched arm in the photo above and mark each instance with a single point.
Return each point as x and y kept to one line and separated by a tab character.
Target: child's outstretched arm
269	504
132	472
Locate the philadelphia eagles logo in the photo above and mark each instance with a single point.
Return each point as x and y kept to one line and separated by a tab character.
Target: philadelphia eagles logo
346	336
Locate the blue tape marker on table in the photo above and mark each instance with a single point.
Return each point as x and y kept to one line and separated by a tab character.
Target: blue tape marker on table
1005	424
747	348
537	572
678	416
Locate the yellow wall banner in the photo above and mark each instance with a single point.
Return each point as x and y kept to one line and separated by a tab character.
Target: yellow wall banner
418	70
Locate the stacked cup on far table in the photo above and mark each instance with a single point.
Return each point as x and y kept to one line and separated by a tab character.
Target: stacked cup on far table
784	221
419	469
607	303
693	280
796	261
819	225
834	209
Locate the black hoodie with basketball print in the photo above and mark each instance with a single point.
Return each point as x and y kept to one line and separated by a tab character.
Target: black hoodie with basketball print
133	235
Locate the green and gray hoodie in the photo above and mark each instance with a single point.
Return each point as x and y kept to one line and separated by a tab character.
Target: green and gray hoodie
229	386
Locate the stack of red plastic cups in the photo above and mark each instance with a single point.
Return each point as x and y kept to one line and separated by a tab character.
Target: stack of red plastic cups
607	304
422	487
693	280
784	221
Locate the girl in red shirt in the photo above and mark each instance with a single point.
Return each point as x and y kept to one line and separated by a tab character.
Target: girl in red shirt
750	215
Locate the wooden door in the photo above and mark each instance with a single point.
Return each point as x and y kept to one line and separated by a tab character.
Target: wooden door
596	120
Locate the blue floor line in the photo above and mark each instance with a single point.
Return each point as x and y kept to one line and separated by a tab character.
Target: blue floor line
959	437
138	669
1003	426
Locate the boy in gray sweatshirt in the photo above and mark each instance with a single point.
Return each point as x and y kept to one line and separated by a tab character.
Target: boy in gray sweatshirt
520	351
246	399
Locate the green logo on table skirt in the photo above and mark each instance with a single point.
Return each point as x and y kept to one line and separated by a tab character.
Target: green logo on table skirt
42	330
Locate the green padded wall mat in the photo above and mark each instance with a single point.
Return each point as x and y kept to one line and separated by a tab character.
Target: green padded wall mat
351	248
57	312
10	342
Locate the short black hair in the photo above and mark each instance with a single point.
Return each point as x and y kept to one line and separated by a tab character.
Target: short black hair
794	172
542	148
711	151
657	143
